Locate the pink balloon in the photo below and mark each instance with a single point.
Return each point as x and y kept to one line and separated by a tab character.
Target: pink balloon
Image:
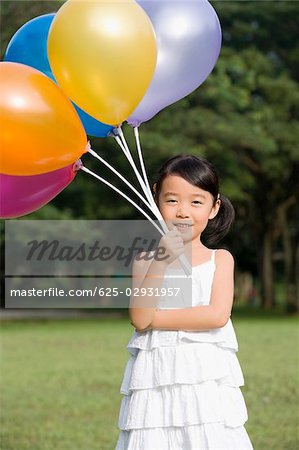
21	195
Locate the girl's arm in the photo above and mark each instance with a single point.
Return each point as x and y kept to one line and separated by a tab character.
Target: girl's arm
204	317
146	276
149	277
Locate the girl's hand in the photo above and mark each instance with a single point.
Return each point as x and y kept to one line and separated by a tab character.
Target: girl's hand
173	244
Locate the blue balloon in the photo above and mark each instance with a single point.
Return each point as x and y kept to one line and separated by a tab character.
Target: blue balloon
29	46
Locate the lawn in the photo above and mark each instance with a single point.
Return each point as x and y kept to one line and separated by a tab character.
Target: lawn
60	382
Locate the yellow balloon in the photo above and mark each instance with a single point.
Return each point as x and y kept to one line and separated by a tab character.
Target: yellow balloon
103	55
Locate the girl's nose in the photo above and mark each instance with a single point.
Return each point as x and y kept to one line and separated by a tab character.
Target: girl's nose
182	212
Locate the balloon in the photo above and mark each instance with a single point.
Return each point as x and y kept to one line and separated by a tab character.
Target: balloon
92	126
41	130
20	195
189	40
103	55
29	46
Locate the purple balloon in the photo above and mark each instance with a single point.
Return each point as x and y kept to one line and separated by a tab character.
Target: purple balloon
188	35
21	195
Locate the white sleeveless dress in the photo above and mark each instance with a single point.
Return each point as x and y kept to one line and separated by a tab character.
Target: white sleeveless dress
182	388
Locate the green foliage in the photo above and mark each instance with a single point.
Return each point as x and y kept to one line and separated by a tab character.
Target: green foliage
15	13
244	119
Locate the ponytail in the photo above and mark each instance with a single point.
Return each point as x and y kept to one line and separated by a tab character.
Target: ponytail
220	225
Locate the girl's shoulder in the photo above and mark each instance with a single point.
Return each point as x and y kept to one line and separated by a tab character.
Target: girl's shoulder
223	256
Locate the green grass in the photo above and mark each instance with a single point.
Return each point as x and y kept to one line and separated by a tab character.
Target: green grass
60	382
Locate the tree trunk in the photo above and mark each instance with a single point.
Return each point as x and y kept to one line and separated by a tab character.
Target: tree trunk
268	300
289	254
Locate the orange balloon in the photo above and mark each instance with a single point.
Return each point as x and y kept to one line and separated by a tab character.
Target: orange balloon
40	128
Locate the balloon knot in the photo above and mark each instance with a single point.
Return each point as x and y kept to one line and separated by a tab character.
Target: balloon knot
77	165
134	123
88	147
115	132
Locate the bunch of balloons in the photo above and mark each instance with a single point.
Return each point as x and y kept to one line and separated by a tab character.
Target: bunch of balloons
85	70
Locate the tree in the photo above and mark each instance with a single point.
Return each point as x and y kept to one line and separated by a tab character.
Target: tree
244	119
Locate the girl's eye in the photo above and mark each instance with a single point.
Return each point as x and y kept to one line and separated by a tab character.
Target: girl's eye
170	201
197	202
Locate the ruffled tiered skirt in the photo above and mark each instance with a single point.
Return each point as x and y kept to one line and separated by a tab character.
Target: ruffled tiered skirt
182	392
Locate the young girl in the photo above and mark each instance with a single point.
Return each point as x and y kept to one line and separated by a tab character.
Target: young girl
182	381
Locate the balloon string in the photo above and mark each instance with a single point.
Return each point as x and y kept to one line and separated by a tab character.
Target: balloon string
183	260
85	169
146	190
93	153
136	134
130	159
119	141
124	146
150	197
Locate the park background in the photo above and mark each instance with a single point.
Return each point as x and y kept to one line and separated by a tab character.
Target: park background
60	378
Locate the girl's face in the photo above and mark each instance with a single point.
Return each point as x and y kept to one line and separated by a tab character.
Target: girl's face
186	206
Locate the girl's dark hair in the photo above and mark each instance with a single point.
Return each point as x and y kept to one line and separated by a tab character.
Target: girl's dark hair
200	173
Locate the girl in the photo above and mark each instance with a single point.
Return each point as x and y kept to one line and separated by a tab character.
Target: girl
182	381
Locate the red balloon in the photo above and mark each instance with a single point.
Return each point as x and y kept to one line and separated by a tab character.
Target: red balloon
21	195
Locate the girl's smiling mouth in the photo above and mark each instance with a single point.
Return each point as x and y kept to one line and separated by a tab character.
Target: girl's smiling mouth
182	225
